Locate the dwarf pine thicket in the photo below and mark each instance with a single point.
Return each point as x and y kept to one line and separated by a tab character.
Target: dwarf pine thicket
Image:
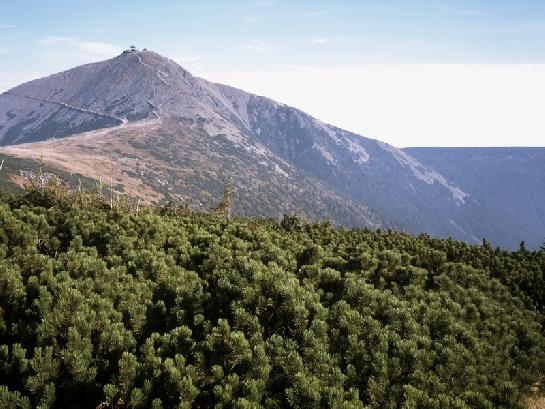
162	308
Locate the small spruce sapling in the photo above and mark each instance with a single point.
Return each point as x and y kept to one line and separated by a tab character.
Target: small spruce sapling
224	207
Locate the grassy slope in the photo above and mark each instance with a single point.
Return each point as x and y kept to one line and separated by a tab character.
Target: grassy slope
17	172
177	161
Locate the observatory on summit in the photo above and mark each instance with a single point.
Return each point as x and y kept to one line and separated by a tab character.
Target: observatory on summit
131	49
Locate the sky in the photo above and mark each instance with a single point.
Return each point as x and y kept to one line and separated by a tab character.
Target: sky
411	73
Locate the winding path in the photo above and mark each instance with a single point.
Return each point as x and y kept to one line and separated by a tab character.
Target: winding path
122	121
157	110
156	70
160	75
65	105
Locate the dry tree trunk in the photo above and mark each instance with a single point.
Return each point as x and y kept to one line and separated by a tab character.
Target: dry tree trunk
112	189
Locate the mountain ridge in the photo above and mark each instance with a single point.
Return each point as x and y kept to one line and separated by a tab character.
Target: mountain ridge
206	133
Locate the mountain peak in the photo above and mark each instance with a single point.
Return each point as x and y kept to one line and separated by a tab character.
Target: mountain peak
170	135
136	85
149	57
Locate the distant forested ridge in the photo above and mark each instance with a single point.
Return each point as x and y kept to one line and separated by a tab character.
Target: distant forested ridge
106	304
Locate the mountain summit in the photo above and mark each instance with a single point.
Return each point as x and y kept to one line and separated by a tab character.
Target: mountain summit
131	87
164	134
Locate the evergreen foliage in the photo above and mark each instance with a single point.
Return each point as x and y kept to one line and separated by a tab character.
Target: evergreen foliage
162	308
224	207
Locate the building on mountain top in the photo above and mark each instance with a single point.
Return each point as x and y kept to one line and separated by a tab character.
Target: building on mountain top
131	49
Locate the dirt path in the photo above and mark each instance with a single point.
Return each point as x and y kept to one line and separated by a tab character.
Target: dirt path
65	105
160	74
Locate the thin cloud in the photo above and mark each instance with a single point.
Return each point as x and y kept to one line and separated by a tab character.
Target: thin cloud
7	26
250	20
319	40
3	51
262	4
324	40
97	30
258	46
312	13
529	27
468	12
93	48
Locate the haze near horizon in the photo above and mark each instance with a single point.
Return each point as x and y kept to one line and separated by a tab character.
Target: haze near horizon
447	73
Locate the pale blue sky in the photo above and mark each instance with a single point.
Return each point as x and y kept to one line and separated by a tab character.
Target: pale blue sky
229	33
245	42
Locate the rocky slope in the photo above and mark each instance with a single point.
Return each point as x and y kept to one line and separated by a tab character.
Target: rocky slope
165	134
509	184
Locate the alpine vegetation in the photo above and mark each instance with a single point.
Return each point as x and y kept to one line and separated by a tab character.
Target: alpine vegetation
111	305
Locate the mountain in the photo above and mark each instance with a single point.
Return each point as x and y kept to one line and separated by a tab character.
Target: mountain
160	133
509	183
163	134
